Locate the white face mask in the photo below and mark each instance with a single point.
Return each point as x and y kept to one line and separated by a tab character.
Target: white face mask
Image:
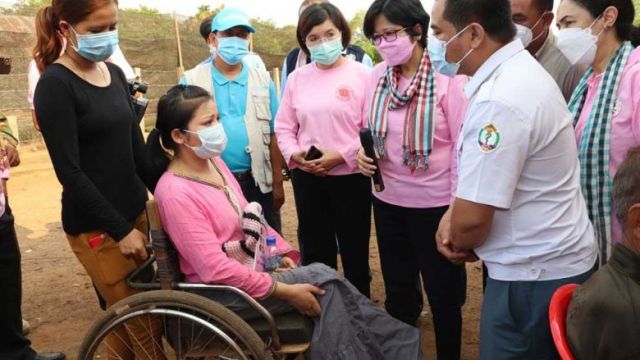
525	34
213	139
578	45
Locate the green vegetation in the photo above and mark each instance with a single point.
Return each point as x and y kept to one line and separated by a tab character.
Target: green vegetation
359	39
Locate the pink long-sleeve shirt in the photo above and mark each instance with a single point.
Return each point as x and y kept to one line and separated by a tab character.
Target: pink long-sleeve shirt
434	186
326	109
199	219
625	125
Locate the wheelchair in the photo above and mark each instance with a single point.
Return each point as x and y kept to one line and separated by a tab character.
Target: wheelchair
169	320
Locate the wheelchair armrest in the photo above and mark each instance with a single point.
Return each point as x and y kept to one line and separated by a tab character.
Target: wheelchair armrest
275	338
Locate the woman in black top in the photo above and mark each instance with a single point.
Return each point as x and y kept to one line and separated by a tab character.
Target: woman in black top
96	147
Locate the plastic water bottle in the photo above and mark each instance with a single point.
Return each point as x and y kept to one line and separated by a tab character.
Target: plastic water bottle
271	260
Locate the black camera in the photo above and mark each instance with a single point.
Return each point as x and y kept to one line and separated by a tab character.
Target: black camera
139	103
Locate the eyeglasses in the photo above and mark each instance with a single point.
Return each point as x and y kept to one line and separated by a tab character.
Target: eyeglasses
389	36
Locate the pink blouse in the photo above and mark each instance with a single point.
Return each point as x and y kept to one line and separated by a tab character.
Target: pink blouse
324	108
434	186
625	125
199	219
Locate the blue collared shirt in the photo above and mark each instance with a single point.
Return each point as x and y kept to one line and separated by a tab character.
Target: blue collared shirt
231	100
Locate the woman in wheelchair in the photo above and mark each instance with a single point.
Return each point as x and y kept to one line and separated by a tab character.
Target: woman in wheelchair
201	207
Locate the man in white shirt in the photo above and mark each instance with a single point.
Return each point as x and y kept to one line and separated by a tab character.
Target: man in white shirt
537	15
518	204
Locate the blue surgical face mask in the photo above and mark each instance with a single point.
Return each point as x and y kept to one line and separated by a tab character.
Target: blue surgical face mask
232	49
95	47
328	52
438	55
213	140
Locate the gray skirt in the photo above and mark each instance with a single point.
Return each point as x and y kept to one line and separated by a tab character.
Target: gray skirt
351	327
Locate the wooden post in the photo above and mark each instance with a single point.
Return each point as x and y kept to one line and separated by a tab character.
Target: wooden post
276	80
180	62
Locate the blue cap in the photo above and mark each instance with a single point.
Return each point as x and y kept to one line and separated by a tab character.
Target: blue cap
231	17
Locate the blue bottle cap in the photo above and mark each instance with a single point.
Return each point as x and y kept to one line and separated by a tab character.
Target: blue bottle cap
271	241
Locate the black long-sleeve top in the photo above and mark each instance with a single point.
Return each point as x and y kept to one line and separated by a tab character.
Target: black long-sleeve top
97	150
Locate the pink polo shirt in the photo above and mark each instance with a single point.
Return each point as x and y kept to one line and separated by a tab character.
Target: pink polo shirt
324	108
431	187
199	219
625	126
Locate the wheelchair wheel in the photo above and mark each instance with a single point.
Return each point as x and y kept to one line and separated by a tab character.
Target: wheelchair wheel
158	325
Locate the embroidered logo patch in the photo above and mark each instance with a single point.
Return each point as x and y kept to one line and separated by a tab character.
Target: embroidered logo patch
489	138
344	93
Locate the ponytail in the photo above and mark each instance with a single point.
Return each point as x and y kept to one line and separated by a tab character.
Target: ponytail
49	43
159	159
175	110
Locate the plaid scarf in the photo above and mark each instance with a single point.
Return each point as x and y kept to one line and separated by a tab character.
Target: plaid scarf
595	145
420	97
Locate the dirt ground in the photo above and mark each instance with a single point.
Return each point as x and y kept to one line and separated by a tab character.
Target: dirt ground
58	299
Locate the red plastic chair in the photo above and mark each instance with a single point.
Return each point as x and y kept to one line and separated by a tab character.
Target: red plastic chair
558	319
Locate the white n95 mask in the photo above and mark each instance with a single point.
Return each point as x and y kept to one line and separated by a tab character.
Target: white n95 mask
578	45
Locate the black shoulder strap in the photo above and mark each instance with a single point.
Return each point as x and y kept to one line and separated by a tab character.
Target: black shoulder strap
292	60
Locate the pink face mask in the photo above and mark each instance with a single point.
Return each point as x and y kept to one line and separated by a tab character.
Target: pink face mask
396	52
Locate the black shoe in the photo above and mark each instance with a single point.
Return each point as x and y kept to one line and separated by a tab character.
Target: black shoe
50	356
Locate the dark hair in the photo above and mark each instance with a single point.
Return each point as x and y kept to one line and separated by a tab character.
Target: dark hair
626	15
205	28
49	43
493	15
544	5
175	110
317	14
407	13
626	184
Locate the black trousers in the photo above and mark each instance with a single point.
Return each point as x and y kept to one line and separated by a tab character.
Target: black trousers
406	241
330	209
13	344
252	193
